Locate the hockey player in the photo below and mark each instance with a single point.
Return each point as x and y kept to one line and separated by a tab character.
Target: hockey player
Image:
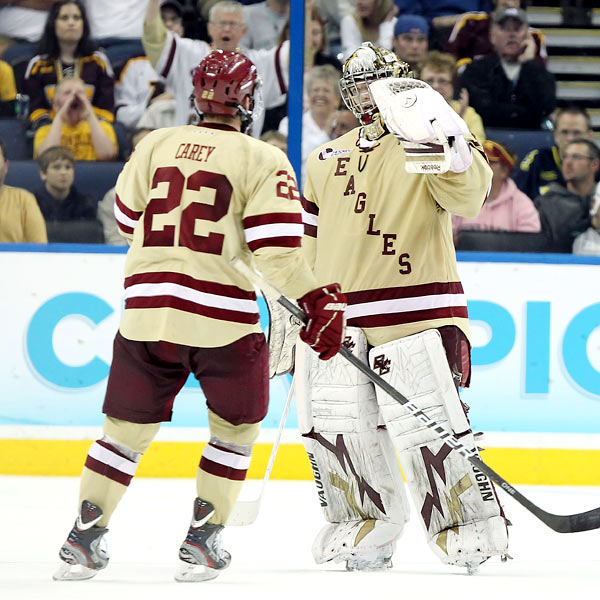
377	206
189	200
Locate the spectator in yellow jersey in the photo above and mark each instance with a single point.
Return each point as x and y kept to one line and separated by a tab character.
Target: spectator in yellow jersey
439	71
76	126
20	217
8	90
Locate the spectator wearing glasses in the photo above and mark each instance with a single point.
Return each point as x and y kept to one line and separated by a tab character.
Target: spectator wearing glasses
542	166
174	58
439	71
565	209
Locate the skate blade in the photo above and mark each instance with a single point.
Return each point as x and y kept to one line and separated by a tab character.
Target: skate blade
68	572
193	573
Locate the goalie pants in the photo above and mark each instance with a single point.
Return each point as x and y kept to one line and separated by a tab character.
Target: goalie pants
144	379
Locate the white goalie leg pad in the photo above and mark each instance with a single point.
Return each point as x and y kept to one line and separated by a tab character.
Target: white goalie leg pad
353	460
459	509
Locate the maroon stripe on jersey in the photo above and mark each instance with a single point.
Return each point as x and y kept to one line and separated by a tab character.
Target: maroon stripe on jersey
219	470
402	318
125	228
167	68
277	242
280	79
209	287
310	230
310	207
132	214
222	314
107	471
409	291
272	219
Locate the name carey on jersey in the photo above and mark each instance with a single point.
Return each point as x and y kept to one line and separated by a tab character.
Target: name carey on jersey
197	152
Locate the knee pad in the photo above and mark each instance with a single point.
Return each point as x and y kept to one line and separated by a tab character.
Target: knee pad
353	460
458	506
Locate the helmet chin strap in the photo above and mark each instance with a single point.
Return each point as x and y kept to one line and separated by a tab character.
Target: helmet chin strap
374	130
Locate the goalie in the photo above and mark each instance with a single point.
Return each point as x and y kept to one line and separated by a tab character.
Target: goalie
377	210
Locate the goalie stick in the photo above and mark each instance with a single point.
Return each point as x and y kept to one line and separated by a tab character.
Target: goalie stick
561	523
245	512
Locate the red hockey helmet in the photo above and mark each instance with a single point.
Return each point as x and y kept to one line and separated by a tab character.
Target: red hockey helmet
221	83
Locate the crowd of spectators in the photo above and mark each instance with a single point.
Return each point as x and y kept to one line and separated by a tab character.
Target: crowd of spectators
88	79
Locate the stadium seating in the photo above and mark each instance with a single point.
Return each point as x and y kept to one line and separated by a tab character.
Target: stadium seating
12	131
502	241
75	232
521	141
94	178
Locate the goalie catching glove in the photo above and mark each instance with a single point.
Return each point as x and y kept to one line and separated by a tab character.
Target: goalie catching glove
428	128
324	330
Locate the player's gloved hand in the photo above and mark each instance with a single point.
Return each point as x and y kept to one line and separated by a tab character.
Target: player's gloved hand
324	307
428	128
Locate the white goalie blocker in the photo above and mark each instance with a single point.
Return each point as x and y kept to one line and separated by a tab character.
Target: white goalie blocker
459	509
284	329
428	128
359	483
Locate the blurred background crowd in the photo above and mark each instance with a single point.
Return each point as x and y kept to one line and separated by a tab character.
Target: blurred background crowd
82	81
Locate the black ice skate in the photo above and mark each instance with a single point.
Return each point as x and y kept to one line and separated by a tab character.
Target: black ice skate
201	549
84	553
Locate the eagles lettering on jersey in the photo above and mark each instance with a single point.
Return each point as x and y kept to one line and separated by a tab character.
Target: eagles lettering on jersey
386	235
189	200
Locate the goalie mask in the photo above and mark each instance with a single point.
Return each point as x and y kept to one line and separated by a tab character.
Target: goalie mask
222	82
367	64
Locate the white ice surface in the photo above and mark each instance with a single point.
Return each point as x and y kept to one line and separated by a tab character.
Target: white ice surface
272	559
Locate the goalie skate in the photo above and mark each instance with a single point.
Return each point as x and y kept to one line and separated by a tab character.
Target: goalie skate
201	549
84	553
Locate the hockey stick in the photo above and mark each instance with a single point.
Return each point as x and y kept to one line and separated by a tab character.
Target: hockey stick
561	523
245	512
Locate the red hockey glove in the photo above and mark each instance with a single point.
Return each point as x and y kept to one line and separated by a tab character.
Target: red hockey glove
324	308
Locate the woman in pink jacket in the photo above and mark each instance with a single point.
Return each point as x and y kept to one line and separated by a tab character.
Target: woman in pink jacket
506	208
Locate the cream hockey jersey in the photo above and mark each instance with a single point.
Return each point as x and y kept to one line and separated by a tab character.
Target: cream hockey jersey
189	199
385	235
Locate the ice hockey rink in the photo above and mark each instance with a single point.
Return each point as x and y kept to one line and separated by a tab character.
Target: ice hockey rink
271	558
